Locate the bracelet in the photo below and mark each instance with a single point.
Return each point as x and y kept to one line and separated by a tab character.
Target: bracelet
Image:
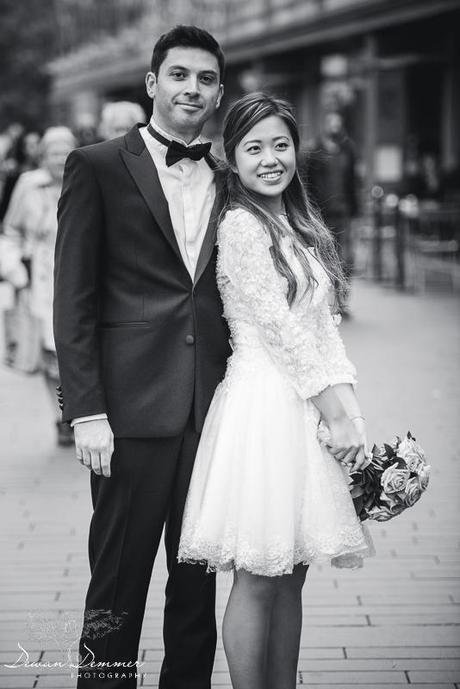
352	418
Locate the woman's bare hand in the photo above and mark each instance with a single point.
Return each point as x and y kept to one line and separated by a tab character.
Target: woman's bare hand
347	442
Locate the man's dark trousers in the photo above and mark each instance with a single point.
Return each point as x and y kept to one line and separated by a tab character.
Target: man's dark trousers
147	490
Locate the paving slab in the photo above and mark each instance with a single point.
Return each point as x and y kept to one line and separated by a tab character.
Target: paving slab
393	623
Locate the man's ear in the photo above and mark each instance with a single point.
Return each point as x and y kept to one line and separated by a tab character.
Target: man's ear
150	84
219	97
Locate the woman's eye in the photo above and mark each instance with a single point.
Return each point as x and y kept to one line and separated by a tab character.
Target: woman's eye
282	145
207	80
253	149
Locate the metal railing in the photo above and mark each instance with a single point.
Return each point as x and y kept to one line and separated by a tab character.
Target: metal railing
408	239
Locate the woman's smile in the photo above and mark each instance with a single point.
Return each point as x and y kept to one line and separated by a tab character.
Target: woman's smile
271	177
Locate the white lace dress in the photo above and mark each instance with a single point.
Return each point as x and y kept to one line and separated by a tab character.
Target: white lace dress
265	495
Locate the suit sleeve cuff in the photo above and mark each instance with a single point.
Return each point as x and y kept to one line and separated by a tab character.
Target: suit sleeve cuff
82	419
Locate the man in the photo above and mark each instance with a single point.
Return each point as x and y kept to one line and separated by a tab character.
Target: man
331	182
142	345
118	117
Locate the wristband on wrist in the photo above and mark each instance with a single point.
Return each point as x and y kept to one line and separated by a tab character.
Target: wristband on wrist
358	416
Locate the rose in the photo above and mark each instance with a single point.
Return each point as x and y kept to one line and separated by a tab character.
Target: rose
412	453
408	445
394	479
394	503
413	491
414	462
424	476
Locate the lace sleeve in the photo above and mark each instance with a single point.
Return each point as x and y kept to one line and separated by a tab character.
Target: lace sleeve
290	338
338	367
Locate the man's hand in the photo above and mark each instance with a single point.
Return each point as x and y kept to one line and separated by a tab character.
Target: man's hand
94	445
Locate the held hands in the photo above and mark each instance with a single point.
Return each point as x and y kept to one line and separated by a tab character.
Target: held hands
94	445
348	442
360	425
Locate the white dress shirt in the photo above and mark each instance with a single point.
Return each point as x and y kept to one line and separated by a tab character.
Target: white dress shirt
190	190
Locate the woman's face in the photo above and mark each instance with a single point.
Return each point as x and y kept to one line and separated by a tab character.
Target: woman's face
54	158
265	160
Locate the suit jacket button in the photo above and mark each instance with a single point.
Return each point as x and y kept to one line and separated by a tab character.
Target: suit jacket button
190	339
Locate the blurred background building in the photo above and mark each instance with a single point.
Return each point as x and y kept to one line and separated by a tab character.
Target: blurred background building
391	66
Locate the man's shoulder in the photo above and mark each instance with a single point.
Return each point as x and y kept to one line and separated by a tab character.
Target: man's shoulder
102	148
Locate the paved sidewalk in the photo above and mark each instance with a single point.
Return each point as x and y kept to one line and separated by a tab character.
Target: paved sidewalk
393	623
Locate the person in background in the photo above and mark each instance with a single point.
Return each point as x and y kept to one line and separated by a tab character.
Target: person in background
86	130
8	138
22	156
330	176
28	249
118	118
431	188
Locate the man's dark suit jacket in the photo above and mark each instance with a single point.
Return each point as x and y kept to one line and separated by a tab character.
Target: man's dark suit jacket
135	336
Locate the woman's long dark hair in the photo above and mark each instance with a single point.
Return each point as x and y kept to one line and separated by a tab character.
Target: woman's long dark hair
303	218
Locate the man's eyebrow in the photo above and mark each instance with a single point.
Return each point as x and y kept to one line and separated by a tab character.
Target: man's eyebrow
187	69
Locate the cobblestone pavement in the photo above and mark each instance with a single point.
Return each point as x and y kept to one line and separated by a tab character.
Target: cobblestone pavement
393	623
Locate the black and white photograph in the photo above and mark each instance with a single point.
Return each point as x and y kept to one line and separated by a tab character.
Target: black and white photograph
229	344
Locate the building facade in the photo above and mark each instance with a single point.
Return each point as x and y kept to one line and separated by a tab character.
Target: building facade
391	66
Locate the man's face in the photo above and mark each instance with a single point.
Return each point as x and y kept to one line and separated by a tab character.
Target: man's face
186	91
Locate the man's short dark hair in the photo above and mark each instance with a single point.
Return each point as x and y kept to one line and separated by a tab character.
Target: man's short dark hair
186	37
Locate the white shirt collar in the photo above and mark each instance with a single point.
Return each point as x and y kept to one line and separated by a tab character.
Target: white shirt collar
170	137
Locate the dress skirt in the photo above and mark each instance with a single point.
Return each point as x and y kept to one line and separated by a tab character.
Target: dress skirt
265	494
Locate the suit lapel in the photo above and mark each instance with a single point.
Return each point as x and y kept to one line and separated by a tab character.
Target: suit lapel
209	240
144	173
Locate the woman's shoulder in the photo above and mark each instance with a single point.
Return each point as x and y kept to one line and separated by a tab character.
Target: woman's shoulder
240	221
238	213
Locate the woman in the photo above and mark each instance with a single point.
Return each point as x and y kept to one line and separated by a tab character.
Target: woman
28	248
266	497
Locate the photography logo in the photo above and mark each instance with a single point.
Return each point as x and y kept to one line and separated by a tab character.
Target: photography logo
62	633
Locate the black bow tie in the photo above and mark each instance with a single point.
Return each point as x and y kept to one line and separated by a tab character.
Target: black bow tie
176	151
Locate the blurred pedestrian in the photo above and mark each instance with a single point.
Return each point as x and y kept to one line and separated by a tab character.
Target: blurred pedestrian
431	188
28	250
22	156
331	182
118	118
7	138
86	130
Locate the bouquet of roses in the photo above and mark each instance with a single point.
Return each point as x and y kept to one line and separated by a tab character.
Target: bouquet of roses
394	480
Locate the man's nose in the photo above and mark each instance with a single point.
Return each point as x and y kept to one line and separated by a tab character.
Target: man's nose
192	85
